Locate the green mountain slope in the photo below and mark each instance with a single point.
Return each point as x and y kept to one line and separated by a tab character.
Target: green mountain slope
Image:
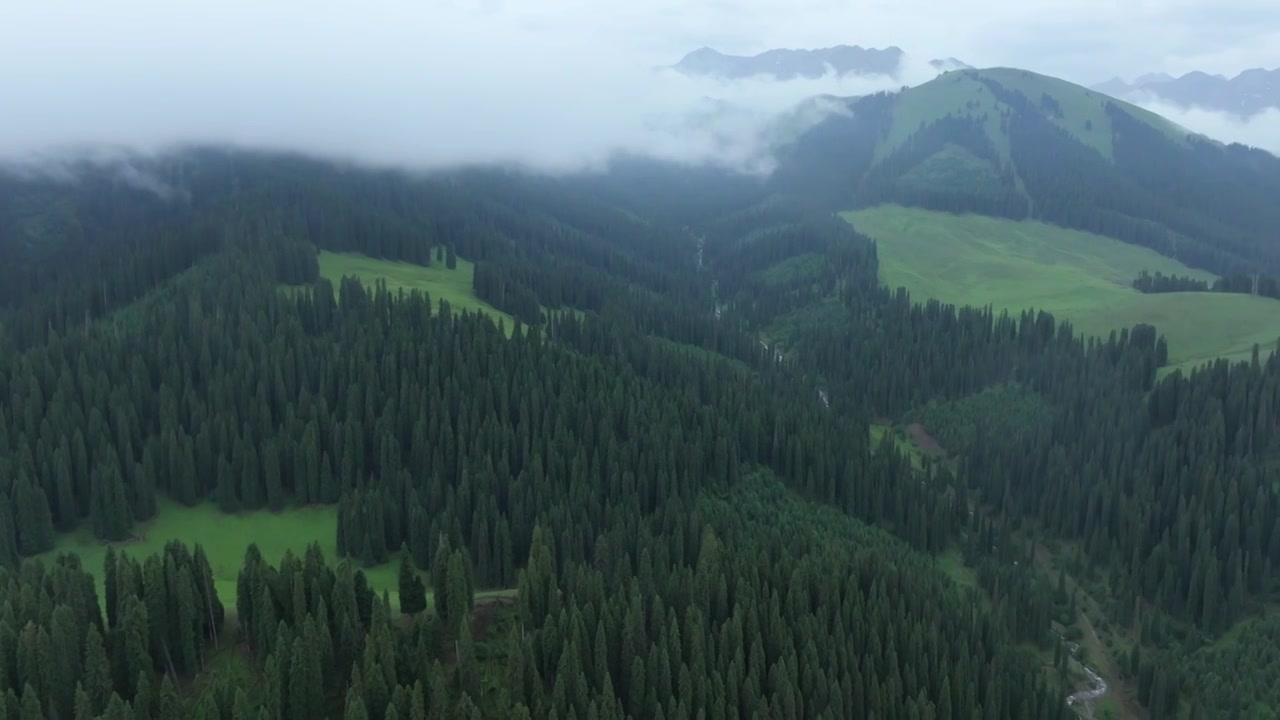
1015	144
1078	111
1077	276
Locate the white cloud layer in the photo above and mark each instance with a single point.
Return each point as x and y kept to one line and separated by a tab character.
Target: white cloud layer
1260	131
558	84
456	84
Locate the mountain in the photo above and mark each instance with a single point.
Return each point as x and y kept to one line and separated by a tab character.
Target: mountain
783	64
626	424
1012	143
1247	94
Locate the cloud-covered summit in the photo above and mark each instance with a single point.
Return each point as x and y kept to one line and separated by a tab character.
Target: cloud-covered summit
555	84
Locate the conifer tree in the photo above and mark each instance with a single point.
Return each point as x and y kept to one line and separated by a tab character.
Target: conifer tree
440	565
461	596
97	671
413	592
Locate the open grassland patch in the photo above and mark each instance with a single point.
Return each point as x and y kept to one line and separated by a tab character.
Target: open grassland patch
905	440
1077	276
438	281
700	353
225	539
796	267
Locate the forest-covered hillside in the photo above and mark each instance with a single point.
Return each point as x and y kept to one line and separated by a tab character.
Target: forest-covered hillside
665	463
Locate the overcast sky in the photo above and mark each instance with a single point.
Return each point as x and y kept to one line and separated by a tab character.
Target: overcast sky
550	82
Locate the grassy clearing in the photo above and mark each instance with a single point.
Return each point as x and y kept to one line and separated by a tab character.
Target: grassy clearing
821	315
796	267
903	441
700	353
225	539
438	281
953	565
978	260
129	317
1004	413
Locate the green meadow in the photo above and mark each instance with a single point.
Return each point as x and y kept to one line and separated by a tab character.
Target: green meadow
225	539
1085	278
438	281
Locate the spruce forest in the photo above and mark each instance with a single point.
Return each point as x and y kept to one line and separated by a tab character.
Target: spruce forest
690	460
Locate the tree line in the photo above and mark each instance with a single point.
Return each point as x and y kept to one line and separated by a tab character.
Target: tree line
1246	284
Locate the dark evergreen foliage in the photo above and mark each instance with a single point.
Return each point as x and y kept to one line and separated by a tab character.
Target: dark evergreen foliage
688	532
1160	283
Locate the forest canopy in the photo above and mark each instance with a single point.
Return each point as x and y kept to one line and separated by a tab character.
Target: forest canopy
656	494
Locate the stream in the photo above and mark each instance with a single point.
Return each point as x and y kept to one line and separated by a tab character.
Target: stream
1085	698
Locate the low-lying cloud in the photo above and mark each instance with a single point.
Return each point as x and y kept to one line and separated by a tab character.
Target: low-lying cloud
555	84
453	86
1260	131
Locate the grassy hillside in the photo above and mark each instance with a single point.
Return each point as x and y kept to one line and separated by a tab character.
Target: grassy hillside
1077	110
1082	114
977	260
1015	144
956	93
437	280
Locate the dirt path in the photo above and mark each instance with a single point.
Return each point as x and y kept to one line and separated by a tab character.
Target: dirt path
925	441
483	613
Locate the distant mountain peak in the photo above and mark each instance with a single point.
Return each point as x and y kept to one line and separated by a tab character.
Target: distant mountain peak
703	51
1251	92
